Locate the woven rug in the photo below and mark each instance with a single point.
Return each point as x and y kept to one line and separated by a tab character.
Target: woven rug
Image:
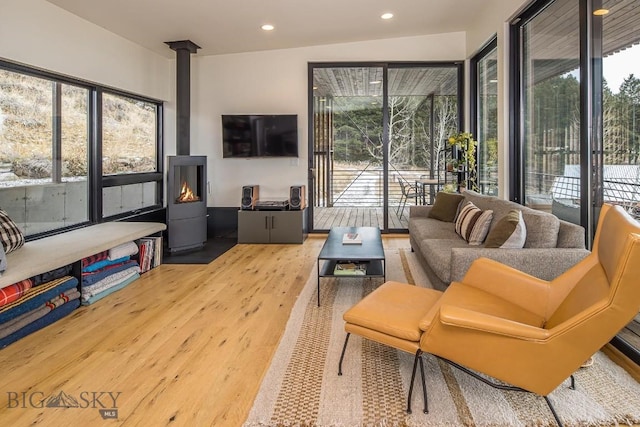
302	388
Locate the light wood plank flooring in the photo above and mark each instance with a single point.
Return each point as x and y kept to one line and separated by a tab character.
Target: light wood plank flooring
185	345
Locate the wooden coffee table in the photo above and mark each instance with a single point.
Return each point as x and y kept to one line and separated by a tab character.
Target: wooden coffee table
370	253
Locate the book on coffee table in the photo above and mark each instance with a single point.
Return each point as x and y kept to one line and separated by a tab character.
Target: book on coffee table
351	239
350	269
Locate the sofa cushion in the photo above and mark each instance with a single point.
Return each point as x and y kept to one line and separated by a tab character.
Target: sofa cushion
510	232
429	228
437	252
473	223
445	206
542	229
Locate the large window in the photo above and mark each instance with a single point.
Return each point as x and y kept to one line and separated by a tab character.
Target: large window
576	114
551	110
48	180
484	81
620	178
129	147
43	152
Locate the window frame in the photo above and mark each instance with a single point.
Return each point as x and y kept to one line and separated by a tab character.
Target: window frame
591	85
474	101
96	182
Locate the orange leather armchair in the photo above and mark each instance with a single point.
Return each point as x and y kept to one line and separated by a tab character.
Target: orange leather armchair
531	333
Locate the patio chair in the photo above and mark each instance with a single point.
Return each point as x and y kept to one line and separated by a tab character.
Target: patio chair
408	191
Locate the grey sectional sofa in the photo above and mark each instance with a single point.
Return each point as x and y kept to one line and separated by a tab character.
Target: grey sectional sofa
552	245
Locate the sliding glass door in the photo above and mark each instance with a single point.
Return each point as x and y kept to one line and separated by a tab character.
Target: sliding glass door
576	114
377	130
347	147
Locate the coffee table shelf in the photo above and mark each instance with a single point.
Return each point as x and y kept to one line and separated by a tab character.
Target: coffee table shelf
370	252
375	268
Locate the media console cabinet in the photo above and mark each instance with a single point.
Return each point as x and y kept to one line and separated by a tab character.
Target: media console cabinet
272	226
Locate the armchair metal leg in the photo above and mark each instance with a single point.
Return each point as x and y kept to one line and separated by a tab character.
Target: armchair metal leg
573	382
424	388
344	348
505	387
413	377
553	411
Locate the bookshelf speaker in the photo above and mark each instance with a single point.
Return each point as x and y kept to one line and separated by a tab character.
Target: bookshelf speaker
297	197
249	197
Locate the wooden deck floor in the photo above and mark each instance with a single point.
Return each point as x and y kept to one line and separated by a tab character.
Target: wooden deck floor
325	218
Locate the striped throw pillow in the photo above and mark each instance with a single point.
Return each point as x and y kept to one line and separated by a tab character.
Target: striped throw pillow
10	235
473	223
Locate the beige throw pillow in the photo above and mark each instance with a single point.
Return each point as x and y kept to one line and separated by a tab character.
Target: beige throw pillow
445	206
473	223
509	232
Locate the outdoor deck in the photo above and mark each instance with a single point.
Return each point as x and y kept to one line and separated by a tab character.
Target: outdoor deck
357	216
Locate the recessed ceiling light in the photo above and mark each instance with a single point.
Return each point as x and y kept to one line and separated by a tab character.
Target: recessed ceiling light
600	12
375	82
386	15
267	27
493	81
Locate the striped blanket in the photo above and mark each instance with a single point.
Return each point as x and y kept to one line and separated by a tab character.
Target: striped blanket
49	318
37	296
13	292
23	320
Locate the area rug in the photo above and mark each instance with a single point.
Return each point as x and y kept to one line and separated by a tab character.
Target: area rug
302	388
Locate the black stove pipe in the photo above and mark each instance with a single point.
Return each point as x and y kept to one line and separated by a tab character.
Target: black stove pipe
184	49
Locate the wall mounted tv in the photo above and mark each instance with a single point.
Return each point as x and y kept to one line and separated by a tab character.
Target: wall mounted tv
259	135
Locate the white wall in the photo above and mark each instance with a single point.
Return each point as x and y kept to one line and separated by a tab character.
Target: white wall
275	82
494	21
39	34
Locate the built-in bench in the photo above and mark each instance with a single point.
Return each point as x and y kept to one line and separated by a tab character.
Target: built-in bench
46	254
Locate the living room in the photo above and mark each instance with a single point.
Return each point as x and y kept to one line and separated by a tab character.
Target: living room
42	35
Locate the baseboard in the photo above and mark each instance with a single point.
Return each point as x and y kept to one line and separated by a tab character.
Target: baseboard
618	357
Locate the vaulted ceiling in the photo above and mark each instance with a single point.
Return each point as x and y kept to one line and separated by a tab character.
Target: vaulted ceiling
231	26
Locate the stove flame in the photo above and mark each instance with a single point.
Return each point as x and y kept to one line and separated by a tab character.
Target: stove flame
186	194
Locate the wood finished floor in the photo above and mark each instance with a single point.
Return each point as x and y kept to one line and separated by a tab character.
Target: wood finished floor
185	345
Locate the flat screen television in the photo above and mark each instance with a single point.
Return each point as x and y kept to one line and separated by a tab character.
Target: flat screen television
259	135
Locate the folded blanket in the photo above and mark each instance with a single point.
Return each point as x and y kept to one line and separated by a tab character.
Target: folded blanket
23	320
111	290
45	320
104	263
91	278
107	282
94	258
51	275
125	249
37	296
14	292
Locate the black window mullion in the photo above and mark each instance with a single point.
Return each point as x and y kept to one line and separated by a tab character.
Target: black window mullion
56	134
95	156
